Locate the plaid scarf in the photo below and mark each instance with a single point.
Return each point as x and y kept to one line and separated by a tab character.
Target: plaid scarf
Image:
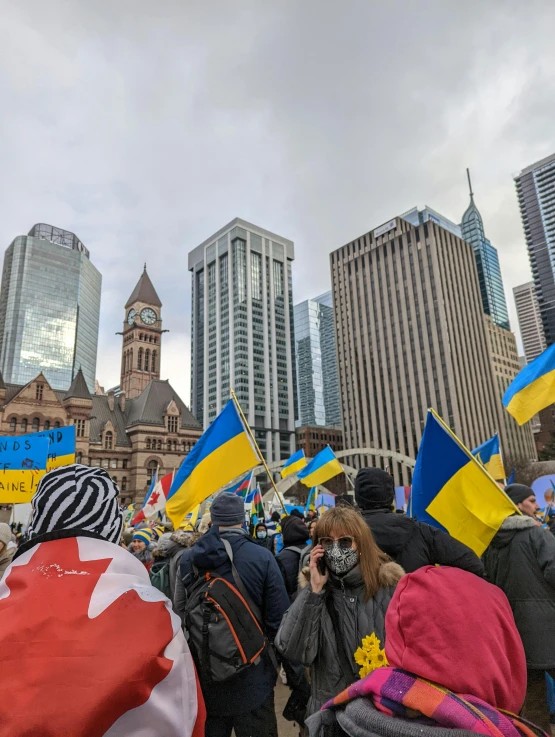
397	693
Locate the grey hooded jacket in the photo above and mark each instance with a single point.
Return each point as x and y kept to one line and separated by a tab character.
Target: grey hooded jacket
307	635
521	561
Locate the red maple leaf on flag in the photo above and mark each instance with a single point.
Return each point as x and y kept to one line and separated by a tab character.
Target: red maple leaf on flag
65	673
153	498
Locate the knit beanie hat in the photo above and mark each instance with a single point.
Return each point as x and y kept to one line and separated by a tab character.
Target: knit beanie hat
374	489
143	535
227	509
518	492
5	533
77	498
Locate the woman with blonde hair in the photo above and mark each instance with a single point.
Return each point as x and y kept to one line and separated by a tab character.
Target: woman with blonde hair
350	584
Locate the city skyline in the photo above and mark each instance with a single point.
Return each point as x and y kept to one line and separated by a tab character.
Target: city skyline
119	134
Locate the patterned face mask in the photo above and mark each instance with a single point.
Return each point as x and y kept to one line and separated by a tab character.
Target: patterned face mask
340	560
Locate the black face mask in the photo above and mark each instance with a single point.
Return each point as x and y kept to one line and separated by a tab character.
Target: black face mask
340	560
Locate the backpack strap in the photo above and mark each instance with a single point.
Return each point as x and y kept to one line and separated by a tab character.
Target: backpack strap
294	548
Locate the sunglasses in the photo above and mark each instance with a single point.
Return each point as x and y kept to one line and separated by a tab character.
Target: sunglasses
343	542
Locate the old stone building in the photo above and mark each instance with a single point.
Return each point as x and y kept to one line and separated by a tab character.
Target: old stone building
133	429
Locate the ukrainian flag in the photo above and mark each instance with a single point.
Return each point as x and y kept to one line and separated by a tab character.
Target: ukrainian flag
223	453
533	388
321	468
451	490
294	464
61	446
22	465
489	455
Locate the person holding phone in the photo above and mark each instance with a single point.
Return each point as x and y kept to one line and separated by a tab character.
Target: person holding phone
350	584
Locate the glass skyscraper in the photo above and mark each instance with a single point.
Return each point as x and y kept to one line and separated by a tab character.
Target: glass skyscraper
49	309
535	187
242	334
316	362
487	261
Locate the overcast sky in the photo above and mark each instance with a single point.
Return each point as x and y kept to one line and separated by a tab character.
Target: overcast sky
146	126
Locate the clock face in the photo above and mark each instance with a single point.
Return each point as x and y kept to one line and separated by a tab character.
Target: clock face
148	316
131	317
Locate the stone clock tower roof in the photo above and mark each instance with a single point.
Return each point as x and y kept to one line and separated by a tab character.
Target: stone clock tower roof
144	292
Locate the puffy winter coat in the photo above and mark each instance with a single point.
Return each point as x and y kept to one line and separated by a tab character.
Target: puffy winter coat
307	633
415	544
260	574
521	561
295	539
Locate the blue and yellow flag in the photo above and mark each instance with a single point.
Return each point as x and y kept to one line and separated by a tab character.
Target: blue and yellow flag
451	490
489	455
222	454
533	388
22	465
294	464
61	446
310	501
320	469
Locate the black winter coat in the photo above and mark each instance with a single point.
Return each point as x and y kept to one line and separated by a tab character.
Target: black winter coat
260	574
289	564
414	544
521	561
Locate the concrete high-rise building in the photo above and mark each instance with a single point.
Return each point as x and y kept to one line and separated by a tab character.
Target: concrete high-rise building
316	362
242	332
410	335
49	309
535	187
518	441
487	262
529	320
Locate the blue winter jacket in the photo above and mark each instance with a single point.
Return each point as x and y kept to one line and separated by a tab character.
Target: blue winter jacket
263	580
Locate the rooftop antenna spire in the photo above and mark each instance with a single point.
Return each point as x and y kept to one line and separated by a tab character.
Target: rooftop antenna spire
145	261
469	183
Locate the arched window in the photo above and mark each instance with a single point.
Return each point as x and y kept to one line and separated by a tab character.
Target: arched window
47	424
79	458
24	425
169	445
124	483
108	440
57	423
115	479
183	446
123	363
153	362
147	358
159	445
148	443
175	446
150	471
35	424
140	360
141	336
130	359
13	424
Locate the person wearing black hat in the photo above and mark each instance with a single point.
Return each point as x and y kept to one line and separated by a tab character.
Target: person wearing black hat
521	561
409	543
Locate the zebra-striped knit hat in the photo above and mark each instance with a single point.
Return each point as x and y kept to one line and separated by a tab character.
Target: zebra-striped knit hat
77	498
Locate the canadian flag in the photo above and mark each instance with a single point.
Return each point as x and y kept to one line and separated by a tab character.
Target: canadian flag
156	501
89	648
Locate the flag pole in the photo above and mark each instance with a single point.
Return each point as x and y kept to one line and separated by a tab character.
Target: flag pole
253	440
501	456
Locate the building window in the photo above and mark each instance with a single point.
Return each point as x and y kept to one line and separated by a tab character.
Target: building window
124	463
105	463
151	471
159	445
147	358
114	463
79	458
47	424
148	443
39	391
36	423
153	362
115	479
172	424
169	445
80	428
183	446
57	423
13	424
140	360
24	425
124	483
108	440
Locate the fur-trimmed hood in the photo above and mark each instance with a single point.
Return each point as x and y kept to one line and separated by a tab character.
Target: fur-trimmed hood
512	526
390	574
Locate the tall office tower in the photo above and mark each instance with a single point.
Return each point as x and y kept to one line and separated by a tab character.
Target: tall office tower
316	362
242	332
410	335
49	309
529	320
518	441
535	188
487	262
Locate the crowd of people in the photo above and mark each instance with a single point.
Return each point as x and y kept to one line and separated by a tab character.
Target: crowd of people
379	624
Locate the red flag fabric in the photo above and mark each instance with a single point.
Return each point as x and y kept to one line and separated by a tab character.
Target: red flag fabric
156	502
89	648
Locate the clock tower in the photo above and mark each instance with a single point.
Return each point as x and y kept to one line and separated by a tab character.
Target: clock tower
142	338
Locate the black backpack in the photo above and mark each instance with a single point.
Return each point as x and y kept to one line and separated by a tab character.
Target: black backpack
224	627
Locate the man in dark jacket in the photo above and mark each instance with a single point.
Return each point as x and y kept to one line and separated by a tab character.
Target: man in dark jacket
295	539
411	544
521	561
245	703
